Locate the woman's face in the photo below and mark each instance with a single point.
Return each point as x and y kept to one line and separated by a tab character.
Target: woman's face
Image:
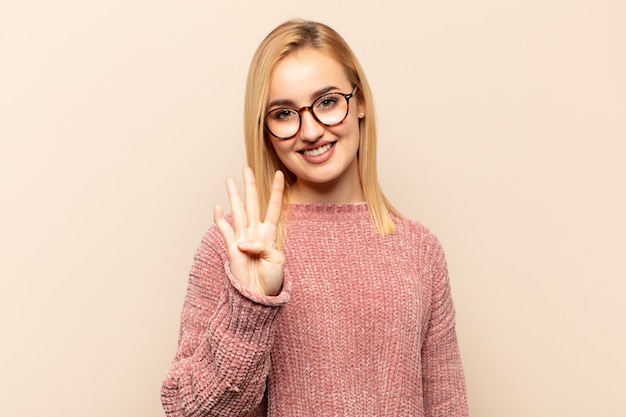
322	158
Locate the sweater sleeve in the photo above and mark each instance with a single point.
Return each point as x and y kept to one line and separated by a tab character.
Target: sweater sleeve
226	335
442	373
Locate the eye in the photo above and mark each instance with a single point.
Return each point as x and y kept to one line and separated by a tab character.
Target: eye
327	102
280	115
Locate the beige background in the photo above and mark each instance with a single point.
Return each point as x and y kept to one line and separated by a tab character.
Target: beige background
502	127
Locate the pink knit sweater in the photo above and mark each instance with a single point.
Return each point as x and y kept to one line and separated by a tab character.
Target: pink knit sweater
364	326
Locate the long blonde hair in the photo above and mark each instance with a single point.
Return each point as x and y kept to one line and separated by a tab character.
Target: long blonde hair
287	38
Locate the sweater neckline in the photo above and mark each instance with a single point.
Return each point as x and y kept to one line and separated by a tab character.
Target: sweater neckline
330	211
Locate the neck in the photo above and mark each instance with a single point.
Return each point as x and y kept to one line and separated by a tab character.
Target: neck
314	195
338	191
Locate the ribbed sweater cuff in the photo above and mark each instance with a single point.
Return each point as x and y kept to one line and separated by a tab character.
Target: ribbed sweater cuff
249	311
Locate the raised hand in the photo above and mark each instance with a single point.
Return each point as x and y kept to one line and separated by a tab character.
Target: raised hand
254	260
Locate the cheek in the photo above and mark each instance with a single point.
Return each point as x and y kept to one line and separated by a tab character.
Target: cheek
350	129
280	149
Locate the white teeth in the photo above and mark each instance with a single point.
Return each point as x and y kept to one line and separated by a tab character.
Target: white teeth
318	151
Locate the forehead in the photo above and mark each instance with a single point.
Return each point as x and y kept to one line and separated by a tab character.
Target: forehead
301	73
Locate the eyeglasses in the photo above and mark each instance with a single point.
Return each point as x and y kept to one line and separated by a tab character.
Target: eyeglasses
329	110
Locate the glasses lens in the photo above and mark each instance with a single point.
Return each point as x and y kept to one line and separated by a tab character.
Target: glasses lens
331	109
283	123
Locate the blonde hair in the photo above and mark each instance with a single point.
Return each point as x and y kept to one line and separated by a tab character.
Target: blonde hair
287	38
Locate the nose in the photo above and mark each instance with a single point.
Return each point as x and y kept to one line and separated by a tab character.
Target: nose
310	129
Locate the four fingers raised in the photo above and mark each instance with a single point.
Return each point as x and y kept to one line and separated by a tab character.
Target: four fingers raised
254	260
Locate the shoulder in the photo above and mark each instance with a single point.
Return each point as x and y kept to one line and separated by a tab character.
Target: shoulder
420	240
413	229
426	249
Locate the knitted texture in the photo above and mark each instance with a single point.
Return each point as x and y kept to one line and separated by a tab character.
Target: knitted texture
364	326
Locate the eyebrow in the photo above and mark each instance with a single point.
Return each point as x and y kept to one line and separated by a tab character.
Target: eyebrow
291	103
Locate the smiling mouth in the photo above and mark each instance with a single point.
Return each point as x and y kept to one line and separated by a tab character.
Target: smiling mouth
317	151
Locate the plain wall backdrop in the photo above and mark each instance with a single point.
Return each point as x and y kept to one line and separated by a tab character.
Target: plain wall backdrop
502	128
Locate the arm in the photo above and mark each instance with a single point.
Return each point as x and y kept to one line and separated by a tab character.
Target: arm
226	335
442	372
235	295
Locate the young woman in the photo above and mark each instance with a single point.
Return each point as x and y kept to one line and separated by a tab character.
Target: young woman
314	297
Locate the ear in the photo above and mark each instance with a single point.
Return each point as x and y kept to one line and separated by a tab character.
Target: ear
360	108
